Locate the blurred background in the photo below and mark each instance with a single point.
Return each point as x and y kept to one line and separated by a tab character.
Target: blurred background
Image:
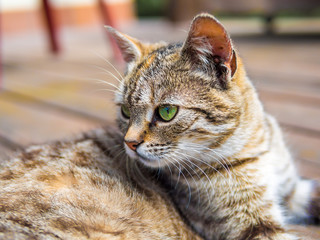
56	55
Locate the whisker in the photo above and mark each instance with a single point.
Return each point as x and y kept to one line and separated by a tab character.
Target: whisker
104	82
159	169
128	167
207	177
121	152
108	72
141	179
114	146
168	165
178	177
214	157
107	61
191	147
194	145
189	188
195	182
225	162
197	187
205	163
106	89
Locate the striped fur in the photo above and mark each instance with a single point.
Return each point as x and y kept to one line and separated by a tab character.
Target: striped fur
222	158
81	189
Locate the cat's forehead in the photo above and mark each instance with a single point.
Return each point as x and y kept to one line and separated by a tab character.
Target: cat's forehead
155	78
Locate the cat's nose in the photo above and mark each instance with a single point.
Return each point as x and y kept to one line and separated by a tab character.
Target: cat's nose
132	145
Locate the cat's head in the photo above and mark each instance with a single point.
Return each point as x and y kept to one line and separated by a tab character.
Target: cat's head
181	101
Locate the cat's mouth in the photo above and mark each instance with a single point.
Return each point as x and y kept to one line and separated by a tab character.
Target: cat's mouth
150	161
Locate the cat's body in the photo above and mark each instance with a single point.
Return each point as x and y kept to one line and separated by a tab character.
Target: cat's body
190	110
79	189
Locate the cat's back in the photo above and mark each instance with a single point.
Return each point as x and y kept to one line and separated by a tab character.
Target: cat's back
78	190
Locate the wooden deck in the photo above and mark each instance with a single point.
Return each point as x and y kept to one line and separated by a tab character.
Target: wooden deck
45	98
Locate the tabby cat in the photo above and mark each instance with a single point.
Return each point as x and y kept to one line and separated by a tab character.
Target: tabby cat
80	189
190	111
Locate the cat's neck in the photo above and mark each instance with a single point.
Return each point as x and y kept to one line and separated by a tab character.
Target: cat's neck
252	120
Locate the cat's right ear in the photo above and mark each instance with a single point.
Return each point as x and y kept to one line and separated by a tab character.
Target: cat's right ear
130	48
209	45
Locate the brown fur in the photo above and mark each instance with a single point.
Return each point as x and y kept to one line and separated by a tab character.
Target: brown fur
79	189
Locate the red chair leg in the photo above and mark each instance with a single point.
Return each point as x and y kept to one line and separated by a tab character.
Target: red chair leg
51	27
108	20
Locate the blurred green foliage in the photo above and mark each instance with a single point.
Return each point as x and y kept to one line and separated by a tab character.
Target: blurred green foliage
151	8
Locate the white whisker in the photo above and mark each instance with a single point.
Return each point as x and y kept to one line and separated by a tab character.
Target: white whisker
207	177
108	72
106	89
189	187
204	162
104	82
107	61
198	189
202	150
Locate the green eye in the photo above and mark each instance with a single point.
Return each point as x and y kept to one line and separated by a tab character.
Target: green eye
125	111
167	112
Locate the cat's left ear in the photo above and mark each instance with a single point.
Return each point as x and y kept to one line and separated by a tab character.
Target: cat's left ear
130	47
208	44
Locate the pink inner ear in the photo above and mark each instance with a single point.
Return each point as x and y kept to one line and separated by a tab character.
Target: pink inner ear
214	32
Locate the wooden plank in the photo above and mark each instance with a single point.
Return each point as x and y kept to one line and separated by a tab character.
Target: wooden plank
25	125
308	169
306	232
303	146
283	95
281	55
29	101
73	92
282	63
296	115
292	81
5	153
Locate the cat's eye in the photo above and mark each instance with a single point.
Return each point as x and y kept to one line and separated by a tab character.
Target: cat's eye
125	111
167	112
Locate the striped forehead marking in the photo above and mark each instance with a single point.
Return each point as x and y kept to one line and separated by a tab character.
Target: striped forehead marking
135	94
145	68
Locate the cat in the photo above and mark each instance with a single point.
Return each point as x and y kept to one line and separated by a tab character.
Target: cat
81	189
190	111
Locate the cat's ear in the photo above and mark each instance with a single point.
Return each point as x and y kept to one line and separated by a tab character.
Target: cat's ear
130	47
209	44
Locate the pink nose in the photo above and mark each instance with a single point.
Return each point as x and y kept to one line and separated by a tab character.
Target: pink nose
132	145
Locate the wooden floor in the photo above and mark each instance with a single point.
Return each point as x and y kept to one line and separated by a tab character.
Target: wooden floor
45	98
